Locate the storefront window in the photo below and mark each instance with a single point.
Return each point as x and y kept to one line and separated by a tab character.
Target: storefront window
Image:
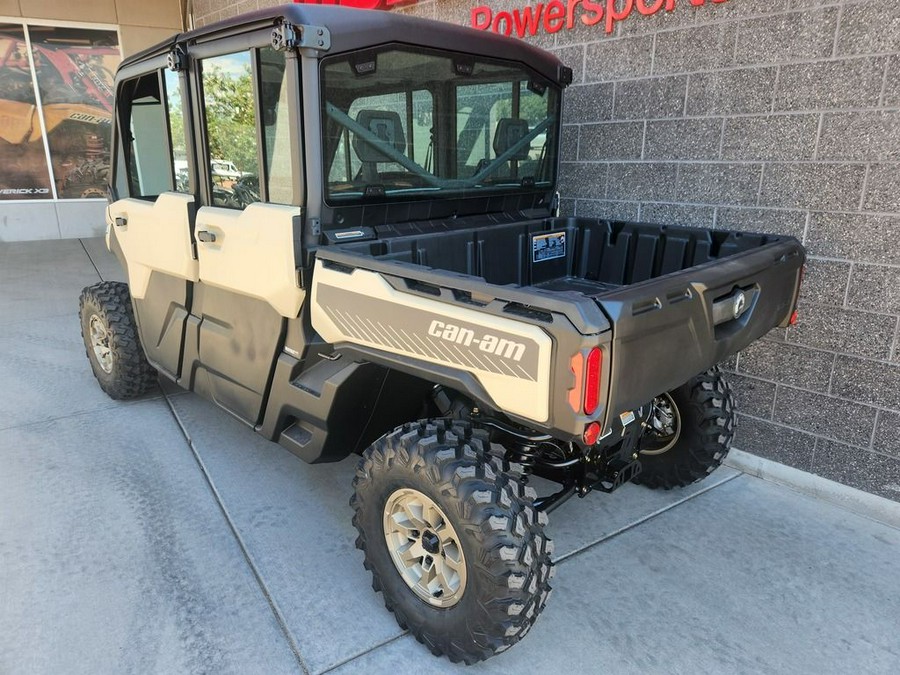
75	71
22	152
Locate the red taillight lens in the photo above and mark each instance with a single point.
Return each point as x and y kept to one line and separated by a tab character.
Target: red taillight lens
591	433
592	368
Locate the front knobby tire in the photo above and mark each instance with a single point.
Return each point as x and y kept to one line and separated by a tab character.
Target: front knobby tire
492	520
111	341
704	408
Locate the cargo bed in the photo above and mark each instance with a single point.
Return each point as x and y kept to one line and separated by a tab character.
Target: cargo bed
674	300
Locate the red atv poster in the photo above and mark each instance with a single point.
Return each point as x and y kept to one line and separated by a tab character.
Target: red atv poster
74	69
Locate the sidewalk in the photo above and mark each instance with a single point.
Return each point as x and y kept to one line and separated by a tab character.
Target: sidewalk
161	535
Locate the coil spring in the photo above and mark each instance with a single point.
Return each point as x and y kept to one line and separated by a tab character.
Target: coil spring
526	460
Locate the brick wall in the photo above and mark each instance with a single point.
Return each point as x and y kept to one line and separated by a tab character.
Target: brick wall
767	115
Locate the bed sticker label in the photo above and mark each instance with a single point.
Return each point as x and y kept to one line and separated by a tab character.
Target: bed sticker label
548	246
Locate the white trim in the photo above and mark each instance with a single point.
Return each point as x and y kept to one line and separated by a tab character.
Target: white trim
38	101
58	23
859	502
60	200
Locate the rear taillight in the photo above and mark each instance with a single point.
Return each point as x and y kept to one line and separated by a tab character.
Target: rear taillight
592	367
591	433
795	315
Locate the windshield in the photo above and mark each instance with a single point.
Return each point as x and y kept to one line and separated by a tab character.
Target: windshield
404	122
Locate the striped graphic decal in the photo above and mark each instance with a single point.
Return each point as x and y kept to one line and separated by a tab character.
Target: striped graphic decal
375	332
510	358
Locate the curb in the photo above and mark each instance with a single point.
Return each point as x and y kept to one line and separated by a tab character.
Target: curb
862	503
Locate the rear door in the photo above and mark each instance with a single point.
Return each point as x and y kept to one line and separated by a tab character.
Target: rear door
153	221
248	224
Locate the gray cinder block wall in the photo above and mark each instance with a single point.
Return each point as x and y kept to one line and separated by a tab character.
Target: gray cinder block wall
767	115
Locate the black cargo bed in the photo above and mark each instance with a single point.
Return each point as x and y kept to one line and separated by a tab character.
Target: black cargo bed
666	292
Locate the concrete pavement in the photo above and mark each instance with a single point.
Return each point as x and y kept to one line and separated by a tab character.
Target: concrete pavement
161	535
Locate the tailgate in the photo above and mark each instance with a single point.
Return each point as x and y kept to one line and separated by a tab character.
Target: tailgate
671	328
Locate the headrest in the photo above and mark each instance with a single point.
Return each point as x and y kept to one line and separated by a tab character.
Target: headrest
385	125
511	130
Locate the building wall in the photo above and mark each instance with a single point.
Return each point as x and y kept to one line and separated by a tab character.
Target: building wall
140	24
765	115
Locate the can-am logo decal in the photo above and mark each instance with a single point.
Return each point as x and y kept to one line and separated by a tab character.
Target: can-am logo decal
555	15
487	343
402	329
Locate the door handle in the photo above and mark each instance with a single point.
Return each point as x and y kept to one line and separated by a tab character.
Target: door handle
206	236
121	221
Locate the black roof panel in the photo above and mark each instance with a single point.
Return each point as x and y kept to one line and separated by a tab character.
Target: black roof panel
360	28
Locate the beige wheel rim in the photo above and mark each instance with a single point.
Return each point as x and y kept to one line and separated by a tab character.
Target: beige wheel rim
100	343
424	547
664	427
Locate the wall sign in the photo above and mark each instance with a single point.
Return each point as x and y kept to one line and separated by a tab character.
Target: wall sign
550	17
556	15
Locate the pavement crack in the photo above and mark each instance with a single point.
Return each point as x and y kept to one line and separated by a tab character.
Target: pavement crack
245	551
641	521
349	659
93	264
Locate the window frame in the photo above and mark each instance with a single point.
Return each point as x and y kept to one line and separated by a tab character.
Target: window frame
123	121
202	52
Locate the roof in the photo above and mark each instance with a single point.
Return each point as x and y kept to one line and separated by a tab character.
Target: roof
353	29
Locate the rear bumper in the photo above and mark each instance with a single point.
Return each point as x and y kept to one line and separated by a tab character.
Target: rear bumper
665	330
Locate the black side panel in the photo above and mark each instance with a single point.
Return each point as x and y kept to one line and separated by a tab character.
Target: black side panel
230	349
320	414
161	316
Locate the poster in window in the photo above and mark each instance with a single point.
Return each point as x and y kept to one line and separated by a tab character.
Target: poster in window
75	71
23	162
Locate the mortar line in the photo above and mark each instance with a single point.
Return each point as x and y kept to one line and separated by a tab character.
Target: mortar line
368	650
703	22
828	390
248	558
762	173
775	84
818	437
607	78
878	416
884	81
846	302
93	264
722	139
641	521
895	350
837	30
818	136
774	401
865	186
714	112
819	392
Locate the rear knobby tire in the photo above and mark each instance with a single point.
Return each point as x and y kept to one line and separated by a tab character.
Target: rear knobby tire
706	407
121	367
506	554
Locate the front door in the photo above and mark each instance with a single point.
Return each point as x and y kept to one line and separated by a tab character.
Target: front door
154	223
247	228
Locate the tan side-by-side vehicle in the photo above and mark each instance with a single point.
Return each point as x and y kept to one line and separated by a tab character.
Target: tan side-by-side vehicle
342	227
